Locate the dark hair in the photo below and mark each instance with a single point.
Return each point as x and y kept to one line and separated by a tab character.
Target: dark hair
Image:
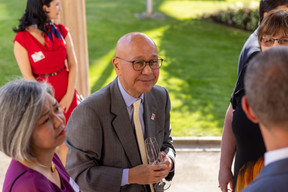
34	15
269	5
275	23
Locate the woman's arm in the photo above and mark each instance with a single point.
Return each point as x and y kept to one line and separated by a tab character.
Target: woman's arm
23	62
228	148
72	65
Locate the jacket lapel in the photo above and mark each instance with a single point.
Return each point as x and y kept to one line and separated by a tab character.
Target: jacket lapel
122	125
149	115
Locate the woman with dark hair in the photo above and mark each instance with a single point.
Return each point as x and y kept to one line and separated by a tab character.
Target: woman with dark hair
31	127
41	48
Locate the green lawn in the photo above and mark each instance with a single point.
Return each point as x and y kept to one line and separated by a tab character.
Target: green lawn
200	56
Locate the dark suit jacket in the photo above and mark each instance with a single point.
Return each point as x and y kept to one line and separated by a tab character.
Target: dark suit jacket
102	142
250	47
272	178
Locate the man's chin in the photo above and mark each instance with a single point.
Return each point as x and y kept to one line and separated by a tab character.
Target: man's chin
146	89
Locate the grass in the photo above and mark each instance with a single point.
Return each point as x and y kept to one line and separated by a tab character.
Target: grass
10	11
200	56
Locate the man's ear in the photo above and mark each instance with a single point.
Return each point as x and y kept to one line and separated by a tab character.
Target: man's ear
248	110
115	65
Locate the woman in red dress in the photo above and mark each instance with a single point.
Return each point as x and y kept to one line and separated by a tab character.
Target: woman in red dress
41	48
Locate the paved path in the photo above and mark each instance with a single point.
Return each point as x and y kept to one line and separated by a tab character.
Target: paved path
196	170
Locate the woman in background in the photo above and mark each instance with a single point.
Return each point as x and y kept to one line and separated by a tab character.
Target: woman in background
31	127
250	148
41	48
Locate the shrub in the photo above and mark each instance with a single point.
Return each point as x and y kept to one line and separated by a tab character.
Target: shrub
238	16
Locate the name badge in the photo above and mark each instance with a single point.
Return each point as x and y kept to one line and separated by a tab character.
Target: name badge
37	56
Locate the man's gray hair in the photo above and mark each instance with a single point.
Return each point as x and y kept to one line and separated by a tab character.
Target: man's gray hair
266	86
20	107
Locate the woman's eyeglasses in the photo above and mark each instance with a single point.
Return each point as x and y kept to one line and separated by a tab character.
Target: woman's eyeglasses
269	42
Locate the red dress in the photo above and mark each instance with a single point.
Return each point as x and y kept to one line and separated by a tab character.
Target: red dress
49	59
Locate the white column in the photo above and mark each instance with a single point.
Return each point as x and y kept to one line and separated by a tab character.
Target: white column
149	8
150	14
73	15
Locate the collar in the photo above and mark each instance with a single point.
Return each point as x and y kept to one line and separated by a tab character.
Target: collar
129	100
275	155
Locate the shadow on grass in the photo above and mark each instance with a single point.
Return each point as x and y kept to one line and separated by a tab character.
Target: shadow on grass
201	69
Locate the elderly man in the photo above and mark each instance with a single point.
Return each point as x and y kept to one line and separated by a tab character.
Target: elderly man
106	132
266	103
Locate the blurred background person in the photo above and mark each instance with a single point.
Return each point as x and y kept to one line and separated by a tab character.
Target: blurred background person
241	137
41	48
31	127
266	103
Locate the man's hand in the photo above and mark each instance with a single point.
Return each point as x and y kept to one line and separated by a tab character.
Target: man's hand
148	174
167	161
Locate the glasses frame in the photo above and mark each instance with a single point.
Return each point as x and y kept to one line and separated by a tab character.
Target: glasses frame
160	61
279	40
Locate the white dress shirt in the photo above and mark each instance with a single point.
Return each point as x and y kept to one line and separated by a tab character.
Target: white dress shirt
275	155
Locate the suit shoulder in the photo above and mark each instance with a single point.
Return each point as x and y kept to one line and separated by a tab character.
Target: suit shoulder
276	182
101	93
97	99
156	89
158	93
251	46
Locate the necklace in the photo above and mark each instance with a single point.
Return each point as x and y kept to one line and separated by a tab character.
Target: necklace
52	168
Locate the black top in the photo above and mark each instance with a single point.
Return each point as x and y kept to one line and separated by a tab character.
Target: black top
249	142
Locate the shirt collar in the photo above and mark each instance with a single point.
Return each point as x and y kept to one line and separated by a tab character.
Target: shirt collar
129	100
275	155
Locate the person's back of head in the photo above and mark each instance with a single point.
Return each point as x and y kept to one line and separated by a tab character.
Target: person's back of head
268	5
266	87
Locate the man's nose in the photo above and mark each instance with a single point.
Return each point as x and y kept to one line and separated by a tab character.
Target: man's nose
147	69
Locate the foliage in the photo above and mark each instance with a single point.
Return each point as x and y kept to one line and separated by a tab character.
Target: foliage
238	16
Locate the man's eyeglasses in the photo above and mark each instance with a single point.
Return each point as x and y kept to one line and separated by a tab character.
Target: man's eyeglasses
139	65
268	42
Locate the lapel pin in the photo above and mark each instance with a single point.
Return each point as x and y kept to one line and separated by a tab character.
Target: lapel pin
153	116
